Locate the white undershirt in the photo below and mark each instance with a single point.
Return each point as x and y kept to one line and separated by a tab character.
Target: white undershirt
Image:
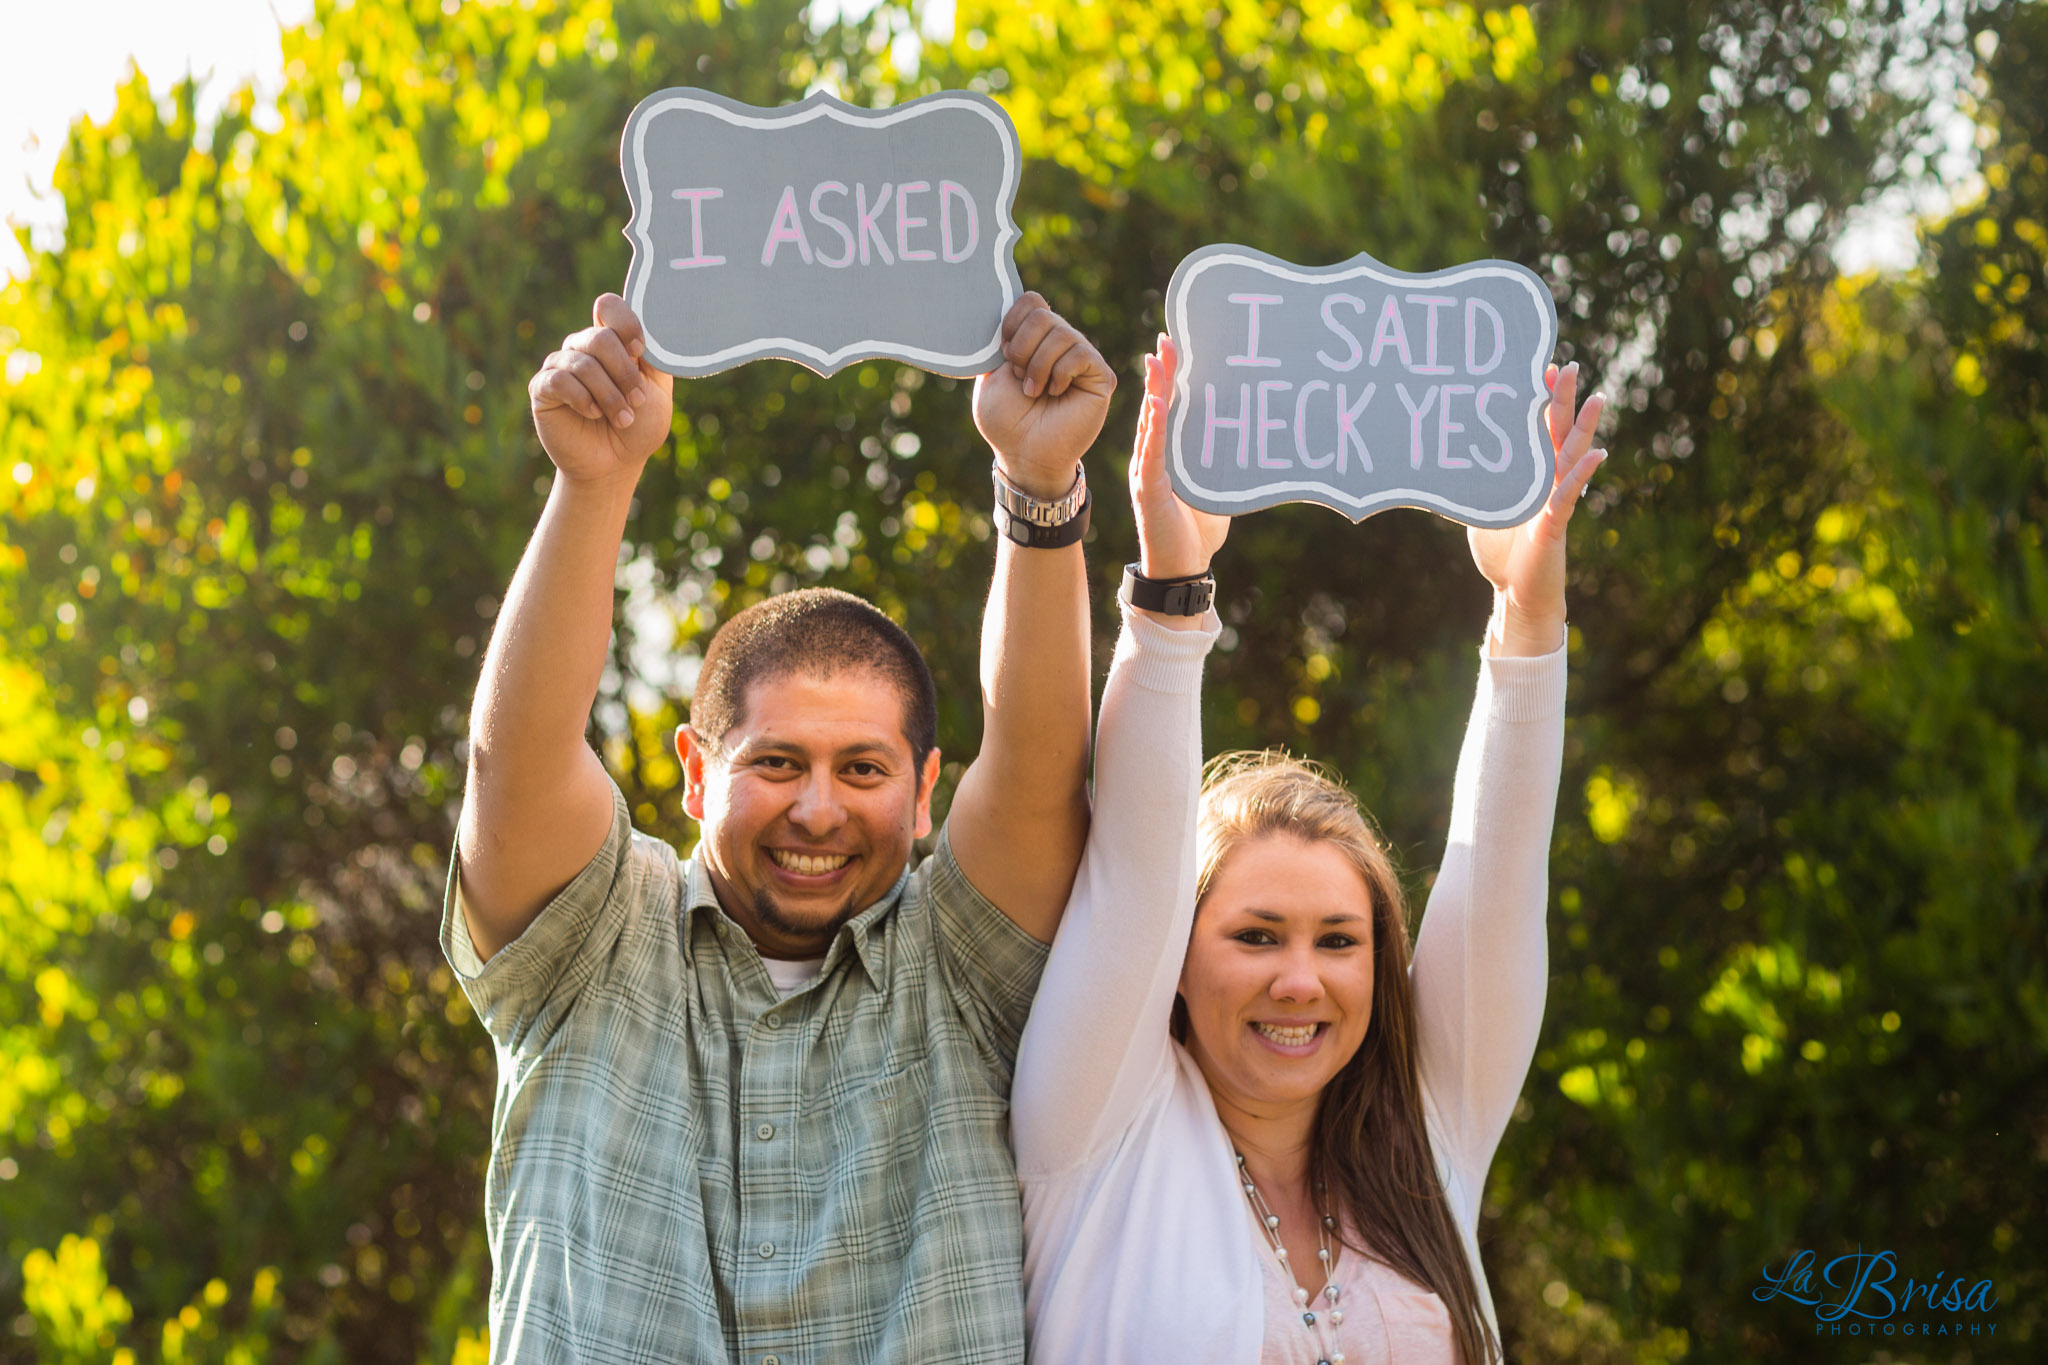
792	974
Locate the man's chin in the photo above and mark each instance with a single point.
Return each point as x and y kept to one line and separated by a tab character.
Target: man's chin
802	923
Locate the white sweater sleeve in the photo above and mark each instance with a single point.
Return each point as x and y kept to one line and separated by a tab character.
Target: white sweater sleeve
1481	960
1097	1043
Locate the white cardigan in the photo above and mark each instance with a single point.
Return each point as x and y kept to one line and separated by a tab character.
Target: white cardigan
1137	1246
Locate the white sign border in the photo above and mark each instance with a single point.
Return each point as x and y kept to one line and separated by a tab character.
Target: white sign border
1272	494
820	104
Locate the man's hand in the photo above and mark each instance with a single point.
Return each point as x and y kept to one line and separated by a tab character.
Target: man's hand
1044	406
1174	540
600	408
1525	563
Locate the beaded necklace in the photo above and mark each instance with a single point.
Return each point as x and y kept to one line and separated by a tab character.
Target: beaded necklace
1320	1326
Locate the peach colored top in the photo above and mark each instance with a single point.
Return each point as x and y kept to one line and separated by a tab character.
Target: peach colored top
1387	1316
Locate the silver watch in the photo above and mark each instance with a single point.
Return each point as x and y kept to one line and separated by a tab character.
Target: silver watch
1038	511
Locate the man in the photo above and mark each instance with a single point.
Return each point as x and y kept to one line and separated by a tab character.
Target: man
752	1107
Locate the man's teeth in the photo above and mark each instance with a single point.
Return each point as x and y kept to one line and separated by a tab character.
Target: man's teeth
1298	1036
810	864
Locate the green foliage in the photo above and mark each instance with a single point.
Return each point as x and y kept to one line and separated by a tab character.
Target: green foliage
265	464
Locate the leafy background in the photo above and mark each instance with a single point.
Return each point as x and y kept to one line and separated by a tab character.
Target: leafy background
265	465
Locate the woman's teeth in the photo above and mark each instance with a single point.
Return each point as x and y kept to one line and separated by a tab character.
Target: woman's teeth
809	864
1297	1036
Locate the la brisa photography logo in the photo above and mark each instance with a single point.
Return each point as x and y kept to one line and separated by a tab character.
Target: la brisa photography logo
1868	1294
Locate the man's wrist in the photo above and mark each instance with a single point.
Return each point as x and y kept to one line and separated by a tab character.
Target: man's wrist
1037	479
611	484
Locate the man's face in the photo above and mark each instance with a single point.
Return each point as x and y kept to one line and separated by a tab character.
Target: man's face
810	807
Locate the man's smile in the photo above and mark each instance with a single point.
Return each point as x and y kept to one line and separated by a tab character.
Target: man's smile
808	864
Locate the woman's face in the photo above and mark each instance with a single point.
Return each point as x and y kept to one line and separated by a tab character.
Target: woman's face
1278	979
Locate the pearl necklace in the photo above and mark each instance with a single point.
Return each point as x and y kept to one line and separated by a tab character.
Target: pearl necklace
1321	1330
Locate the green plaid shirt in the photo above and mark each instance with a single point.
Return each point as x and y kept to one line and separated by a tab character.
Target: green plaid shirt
685	1167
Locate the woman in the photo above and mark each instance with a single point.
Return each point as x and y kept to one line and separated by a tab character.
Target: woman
1246	1130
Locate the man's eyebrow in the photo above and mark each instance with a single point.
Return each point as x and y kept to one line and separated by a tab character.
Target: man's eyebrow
771	745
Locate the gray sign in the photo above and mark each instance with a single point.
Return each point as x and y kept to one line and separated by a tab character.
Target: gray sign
1360	387
821	233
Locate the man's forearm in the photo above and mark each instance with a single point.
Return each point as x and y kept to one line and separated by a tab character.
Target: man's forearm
1021	814
534	812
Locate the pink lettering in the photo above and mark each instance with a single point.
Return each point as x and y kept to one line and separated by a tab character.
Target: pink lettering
1500	337
786	228
825	219
1507	449
948	192
1433	304
1251	357
697	256
1391	332
1415	416
1445	426
867	231
1301	421
1212	421
1345	334
1348	438
1268	387
904	223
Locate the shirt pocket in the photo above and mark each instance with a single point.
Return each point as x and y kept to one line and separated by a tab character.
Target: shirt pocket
875	1140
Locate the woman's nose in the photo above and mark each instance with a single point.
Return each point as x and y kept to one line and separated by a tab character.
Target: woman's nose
1298	980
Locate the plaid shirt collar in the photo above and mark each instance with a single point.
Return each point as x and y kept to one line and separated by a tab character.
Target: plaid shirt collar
863	932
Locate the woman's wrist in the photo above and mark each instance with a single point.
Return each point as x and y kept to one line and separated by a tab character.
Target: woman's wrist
1169	567
1518	633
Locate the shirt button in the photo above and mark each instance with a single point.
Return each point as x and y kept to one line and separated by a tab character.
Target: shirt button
771	1360
767	1250
765	1131
774	1021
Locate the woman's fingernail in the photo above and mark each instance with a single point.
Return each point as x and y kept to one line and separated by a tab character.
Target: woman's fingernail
636	348
625	417
639	397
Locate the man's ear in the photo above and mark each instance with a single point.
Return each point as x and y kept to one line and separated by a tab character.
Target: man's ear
927	782
691	749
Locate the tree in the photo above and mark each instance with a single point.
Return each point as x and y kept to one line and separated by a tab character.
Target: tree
265	463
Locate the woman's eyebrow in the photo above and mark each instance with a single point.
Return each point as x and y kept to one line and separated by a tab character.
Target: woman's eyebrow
1275	917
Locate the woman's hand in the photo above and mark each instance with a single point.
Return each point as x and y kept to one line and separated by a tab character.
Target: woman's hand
1174	540
1525	563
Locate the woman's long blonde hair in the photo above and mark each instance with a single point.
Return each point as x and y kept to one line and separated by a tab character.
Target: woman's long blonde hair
1370	1148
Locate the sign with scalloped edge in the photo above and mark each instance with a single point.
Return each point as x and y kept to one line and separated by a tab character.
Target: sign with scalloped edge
1360	387
821	233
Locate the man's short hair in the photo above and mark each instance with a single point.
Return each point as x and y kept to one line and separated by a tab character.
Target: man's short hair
813	632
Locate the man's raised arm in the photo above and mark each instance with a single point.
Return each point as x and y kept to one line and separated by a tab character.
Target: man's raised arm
539	805
1020	817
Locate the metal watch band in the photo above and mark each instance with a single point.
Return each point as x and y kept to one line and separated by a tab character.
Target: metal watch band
1190	596
1041	511
1033	536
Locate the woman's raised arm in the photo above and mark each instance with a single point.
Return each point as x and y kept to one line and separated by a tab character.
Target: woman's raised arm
1481	959
1097	1041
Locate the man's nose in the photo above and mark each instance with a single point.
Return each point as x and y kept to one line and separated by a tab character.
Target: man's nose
817	809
